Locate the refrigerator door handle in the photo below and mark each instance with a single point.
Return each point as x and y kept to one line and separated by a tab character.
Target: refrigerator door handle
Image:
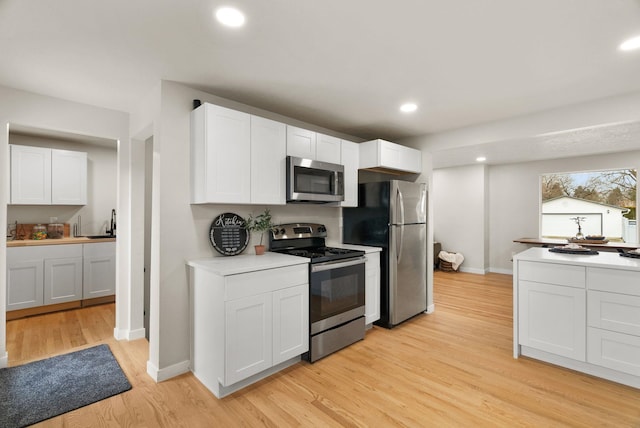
399	244
400	204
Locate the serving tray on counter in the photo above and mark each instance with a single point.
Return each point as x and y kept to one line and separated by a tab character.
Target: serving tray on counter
630	255
565	251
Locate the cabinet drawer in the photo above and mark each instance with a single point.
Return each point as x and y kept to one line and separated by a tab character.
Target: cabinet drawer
616	312
549	273
265	281
613	350
614	280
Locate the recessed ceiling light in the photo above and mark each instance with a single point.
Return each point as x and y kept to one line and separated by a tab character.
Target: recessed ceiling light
229	16
481	159
630	44
408	108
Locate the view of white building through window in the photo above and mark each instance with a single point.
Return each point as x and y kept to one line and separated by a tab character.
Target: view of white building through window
595	203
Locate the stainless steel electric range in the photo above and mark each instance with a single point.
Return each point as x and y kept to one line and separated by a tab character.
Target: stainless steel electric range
336	286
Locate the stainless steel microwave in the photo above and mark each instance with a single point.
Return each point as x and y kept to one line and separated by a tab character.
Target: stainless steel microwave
314	181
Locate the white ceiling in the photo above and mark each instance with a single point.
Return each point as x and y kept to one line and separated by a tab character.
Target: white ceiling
342	64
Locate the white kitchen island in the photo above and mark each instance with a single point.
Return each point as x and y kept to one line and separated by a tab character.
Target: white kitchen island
579	311
250	318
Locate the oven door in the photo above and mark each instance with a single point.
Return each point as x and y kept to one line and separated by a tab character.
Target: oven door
336	293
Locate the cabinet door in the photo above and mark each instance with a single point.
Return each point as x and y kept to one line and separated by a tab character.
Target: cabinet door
24	284
372	288
68	177
350	157
62	280
301	142
268	167
220	155
30	175
328	149
248	337
552	318
614	350
99	270
411	159
290	322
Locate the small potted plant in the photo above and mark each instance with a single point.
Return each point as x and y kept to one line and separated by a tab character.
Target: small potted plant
260	223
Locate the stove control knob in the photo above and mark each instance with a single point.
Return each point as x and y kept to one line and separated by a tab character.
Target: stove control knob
282	231
322	229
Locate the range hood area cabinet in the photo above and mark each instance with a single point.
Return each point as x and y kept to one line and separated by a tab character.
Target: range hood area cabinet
45	176
385	156
236	157
306	144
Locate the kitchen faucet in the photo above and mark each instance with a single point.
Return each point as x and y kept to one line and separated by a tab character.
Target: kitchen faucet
112	231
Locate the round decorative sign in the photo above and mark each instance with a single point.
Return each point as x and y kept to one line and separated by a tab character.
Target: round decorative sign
228	234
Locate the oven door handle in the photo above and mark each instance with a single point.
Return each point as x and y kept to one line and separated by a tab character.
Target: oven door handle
336	264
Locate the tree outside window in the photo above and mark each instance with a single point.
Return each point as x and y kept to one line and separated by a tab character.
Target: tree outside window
605	199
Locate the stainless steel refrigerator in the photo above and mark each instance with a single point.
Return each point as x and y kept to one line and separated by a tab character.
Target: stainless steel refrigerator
393	215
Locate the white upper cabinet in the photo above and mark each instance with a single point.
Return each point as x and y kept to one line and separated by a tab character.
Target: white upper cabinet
268	167
220	155
307	144
44	176
350	156
389	157
301	142
68	177
328	149
30	175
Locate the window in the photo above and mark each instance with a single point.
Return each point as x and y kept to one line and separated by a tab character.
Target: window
593	203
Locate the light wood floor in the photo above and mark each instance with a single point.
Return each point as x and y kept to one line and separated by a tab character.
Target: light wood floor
451	368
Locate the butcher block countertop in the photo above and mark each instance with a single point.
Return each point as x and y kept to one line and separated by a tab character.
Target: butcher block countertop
61	241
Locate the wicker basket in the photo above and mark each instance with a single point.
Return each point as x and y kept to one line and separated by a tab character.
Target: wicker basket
446	266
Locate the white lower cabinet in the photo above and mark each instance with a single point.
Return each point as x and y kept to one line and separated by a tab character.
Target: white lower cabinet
246	326
614	350
613	315
552	319
290	325
372	288
248	332
51	274
25	279
586	319
63	277
99	270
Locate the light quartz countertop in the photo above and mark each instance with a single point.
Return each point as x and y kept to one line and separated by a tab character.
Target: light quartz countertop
364	248
232	265
61	241
603	259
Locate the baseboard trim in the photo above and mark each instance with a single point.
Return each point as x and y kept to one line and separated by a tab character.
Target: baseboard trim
120	334
174	370
473	270
502	271
136	334
430	309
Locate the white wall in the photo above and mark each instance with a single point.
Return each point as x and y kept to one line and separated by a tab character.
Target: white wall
460	214
180	230
37	111
101	187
